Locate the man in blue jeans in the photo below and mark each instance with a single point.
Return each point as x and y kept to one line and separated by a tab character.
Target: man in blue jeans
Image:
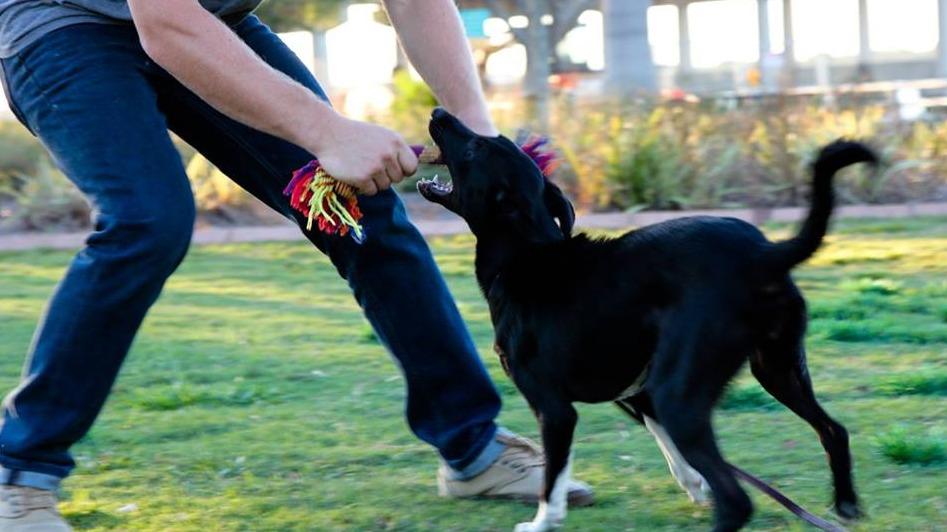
101	82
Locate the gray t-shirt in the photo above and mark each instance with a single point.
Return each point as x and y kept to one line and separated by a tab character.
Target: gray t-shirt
24	21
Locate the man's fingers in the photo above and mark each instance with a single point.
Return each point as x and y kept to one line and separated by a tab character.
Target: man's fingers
368	187
408	160
382	182
393	169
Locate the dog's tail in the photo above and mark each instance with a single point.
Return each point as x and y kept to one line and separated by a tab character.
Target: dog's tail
783	256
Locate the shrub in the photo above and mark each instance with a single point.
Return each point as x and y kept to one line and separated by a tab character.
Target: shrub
214	192
20	155
410	109
651	154
643	154
45	199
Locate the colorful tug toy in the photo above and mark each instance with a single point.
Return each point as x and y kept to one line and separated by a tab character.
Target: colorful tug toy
333	205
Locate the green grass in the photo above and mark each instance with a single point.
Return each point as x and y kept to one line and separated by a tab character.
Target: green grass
905	447
257	398
747	398
930	382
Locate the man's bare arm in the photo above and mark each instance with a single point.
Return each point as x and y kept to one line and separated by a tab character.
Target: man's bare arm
208	58
433	37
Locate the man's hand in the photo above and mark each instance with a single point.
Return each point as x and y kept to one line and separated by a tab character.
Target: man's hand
207	57
366	156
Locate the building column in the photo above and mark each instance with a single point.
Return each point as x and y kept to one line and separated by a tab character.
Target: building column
686	67
864	50
942	47
629	68
789	46
764	65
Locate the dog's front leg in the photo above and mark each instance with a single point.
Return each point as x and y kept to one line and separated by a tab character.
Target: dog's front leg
557	424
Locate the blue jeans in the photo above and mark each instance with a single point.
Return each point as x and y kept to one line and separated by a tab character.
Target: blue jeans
103	109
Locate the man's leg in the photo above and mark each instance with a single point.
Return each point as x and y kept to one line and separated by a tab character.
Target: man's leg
451	402
84	91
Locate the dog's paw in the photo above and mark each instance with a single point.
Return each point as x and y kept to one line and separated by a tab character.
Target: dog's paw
696	487
848	511
536	526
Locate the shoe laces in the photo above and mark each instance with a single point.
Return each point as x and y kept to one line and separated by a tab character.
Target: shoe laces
21	499
521	453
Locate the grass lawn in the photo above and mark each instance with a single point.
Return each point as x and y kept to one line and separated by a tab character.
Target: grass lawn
257	398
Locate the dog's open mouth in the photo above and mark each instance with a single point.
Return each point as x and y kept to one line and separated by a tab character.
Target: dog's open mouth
434	189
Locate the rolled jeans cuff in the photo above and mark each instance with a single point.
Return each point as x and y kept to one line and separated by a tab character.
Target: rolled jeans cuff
487	456
29	479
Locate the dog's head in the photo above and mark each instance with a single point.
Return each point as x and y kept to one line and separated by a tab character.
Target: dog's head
495	186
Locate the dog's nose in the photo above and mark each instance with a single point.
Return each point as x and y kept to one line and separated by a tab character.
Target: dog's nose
439	114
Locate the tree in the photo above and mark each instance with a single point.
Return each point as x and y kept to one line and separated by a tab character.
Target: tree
540	40
291	15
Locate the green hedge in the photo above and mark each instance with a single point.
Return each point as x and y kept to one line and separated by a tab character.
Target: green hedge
627	156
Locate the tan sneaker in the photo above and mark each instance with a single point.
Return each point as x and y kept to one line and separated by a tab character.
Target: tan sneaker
25	509
517	474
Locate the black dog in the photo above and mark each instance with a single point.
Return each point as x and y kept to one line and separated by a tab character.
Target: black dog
658	320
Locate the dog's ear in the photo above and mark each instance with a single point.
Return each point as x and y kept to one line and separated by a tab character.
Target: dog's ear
559	207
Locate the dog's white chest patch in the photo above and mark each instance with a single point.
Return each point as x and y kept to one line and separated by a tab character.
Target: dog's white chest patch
636	386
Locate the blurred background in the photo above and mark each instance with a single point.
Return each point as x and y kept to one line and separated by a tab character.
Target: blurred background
258	398
664	104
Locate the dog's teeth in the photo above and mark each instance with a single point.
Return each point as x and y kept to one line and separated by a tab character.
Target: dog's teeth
436	180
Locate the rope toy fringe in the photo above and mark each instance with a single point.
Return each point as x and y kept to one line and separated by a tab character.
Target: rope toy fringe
333	205
538	149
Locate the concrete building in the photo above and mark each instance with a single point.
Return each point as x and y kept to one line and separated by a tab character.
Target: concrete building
767	45
779	28
714	46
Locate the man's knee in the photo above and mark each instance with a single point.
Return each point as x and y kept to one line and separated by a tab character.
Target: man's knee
156	236
168	235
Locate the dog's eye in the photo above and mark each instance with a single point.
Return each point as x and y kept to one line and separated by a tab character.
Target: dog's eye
475	147
505	204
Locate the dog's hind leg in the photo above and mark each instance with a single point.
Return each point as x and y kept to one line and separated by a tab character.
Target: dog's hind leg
691	432
781	368
697	489
557	422
694	437
696	356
